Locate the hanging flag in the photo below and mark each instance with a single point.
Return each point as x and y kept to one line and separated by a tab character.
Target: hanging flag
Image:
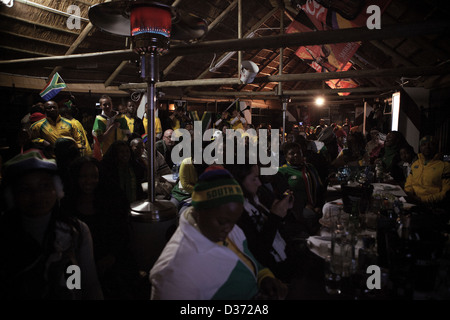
53	87
331	57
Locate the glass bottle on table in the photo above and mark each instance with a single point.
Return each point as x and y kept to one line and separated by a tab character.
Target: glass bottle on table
333	263
379	171
353	230
175	172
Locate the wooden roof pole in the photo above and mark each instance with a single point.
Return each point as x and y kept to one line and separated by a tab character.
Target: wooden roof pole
239	36
291	92
394	72
391	52
48	9
255	26
116	72
280	65
311	76
314	38
74	45
38	24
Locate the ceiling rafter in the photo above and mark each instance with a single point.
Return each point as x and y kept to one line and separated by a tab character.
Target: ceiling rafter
255	26
215	22
48	9
33	38
39	24
43	54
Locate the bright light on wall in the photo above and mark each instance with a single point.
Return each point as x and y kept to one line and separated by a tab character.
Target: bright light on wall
395	110
320	101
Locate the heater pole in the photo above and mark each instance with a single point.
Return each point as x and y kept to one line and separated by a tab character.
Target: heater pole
150	74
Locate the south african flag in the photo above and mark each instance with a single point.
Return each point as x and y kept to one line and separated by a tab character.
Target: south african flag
53	87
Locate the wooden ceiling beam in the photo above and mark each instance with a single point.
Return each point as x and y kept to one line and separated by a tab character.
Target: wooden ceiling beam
253	29
372	73
38	24
116	72
392	53
48	9
356	60
33	53
314	38
311	76
210	27
293	92
34	83
48	42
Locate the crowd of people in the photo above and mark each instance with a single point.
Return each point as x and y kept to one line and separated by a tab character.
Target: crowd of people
239	232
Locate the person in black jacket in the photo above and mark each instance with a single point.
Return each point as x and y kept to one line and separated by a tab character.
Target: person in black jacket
119	164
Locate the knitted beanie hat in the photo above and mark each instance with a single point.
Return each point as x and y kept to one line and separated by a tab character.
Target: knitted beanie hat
30	160
215	187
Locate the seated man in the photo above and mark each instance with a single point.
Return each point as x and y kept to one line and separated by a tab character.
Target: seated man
429	180
165	146
207	257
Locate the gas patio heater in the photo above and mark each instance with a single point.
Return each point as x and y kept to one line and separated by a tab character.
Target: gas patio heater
150	25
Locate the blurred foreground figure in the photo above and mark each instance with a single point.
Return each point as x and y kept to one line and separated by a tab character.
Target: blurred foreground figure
45	254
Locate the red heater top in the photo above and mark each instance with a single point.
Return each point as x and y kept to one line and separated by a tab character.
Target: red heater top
147	20
150	20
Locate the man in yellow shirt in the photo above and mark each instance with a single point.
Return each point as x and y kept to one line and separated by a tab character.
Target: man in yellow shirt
429	180
45	132
67	113
135	124
158	126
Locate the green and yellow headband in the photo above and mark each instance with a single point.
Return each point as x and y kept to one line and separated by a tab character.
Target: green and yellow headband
215	187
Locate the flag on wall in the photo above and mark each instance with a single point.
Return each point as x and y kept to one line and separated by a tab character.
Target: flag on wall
53	87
